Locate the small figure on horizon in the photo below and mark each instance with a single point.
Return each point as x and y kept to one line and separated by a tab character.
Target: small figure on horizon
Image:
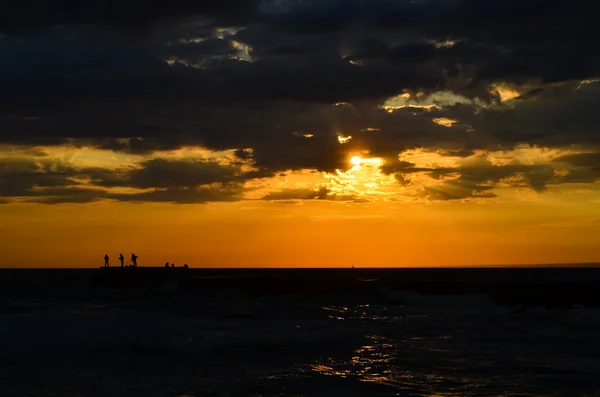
172	265
185	266
121	258
105	260
167	264
134	260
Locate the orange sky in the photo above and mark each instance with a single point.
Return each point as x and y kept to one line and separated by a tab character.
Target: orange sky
309	234
367	220
245	141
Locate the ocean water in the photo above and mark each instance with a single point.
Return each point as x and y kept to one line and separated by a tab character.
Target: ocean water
61	334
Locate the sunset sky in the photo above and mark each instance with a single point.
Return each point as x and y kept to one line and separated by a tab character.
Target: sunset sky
299	132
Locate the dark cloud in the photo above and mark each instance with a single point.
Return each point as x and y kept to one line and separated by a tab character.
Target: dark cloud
139	77
53	181
413	53
162	173
20	177
97	66
197	53
291	196
127	14
370	48
586	167
393	167
194	195
456	191
297	194
63	195
581	159
178	181
476	178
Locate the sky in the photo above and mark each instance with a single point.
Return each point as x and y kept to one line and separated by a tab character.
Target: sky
249	133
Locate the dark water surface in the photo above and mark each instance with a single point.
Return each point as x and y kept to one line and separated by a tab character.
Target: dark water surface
234	332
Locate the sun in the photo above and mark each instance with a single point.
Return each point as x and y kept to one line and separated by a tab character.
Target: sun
364	181
358	161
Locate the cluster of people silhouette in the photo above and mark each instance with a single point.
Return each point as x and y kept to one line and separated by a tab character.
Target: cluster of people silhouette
133	262
173	265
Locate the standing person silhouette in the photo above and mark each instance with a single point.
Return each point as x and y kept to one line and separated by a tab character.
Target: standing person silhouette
105	260
134	259
121	258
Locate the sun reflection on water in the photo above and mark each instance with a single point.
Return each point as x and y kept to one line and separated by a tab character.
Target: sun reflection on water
368	363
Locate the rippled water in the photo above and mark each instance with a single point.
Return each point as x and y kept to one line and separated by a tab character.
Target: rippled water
116	343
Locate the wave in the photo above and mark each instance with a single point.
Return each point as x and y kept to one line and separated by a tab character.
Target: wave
582	318
469	303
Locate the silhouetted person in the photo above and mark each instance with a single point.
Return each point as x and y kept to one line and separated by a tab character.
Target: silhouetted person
134	260
105	260
172	265
121	258
167	264
185	266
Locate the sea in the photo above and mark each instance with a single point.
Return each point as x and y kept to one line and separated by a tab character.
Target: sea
297	332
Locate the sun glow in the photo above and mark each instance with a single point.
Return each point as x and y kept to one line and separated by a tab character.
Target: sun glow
363	182
358	161
362	163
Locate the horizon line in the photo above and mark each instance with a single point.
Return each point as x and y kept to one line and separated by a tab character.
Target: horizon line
496	266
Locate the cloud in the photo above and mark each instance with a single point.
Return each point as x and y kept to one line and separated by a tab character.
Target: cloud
169	174
20	177
456	191
296	194
586	167
474	176
130	14
581	159
178	181
437	175
318	193
195	195
258	78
